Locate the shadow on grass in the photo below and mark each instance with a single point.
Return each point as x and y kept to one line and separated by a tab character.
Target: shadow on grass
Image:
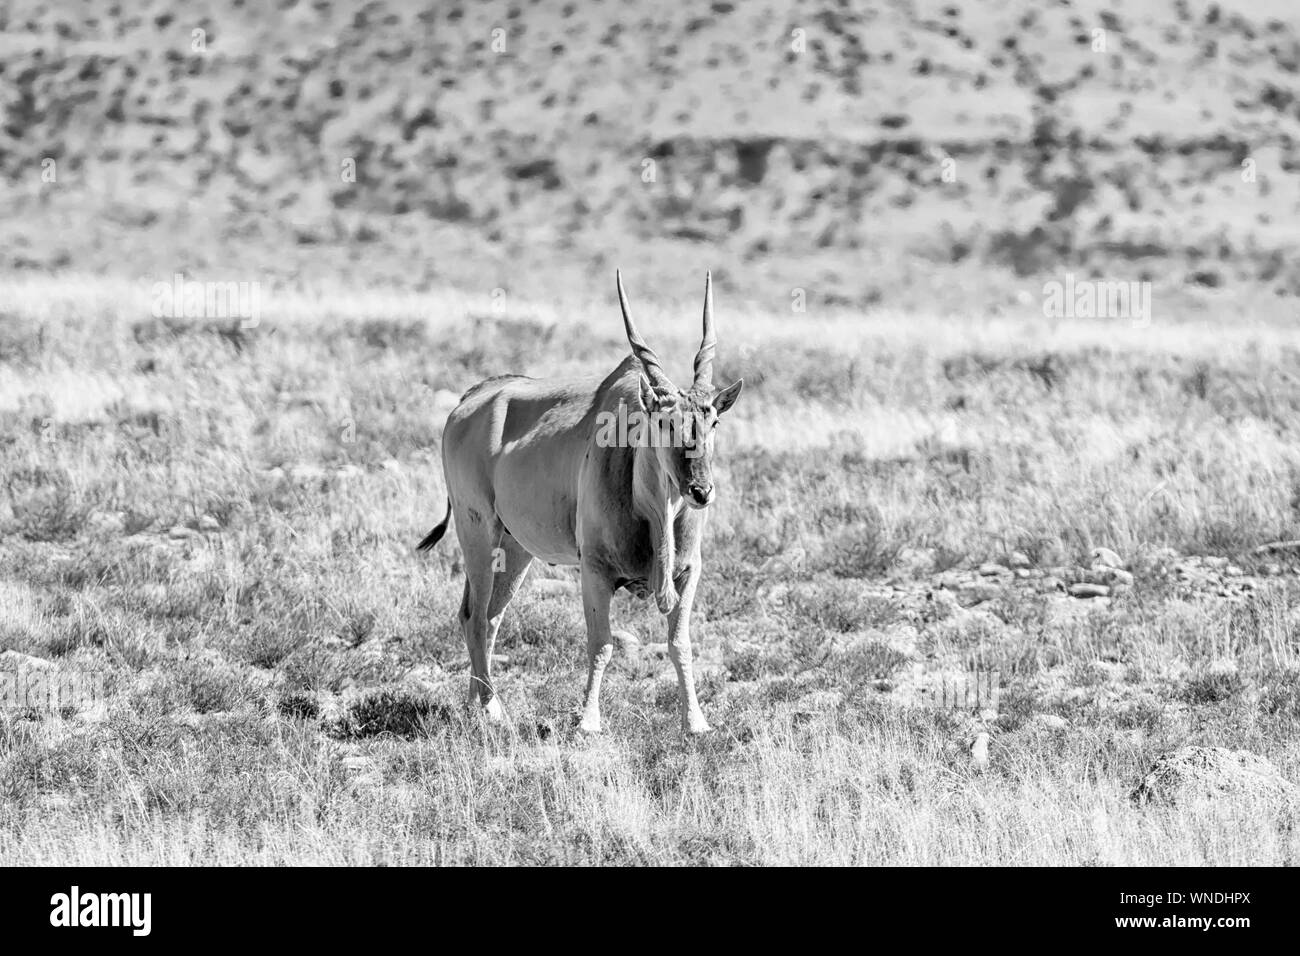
396	712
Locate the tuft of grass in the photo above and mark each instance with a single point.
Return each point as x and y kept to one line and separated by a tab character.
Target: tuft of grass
1214	684
393	712
299	705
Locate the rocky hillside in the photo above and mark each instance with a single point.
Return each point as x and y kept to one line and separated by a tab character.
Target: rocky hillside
921	149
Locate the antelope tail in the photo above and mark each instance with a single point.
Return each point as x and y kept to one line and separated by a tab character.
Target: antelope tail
434	536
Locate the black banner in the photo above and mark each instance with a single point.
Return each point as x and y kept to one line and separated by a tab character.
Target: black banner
217	906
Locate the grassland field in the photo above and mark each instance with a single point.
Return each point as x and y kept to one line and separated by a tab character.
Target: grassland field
217	521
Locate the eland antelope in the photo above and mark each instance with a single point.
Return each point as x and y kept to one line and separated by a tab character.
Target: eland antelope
533	472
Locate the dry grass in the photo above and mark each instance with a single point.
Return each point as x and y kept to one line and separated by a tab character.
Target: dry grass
284	675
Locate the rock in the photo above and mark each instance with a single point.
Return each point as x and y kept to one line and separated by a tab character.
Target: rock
209	523
1052	583
17	661
1086	589
1214	562
181	533
1233	571
989	569
974	594
1103	574
952	580
1201	773
1107	558
941	604
1018	559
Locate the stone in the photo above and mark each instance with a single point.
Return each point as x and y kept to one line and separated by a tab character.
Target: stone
952	580
974	594
989	569
18	661
1018	559
1086	589
1209	773
209	523
1104	574
1107	558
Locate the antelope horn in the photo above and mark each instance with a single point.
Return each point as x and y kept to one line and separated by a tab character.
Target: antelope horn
708	345
645	354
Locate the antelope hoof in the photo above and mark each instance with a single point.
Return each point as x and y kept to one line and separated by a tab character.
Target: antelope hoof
589	724
493	713
695	724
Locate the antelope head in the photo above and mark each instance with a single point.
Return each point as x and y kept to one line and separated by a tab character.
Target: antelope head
681	422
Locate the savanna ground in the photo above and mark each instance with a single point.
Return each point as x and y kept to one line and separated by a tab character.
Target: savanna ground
220	522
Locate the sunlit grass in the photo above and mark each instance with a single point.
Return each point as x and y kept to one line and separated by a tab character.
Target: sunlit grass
223	526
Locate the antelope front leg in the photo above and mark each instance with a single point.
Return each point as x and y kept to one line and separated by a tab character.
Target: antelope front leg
600	645
679	650
664	546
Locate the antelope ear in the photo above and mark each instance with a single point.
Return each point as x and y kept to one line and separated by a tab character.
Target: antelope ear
648	400
727	397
